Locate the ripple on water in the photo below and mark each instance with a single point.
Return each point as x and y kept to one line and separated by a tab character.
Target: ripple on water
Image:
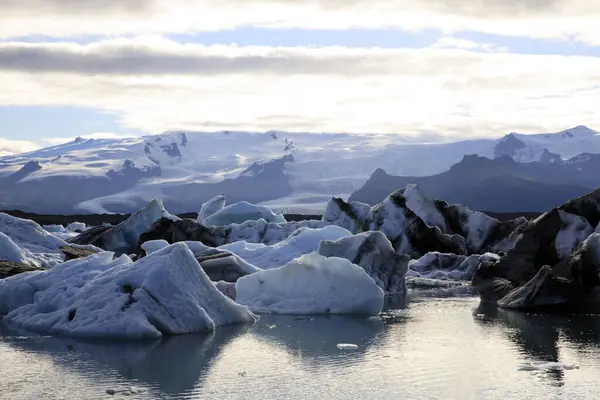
433	349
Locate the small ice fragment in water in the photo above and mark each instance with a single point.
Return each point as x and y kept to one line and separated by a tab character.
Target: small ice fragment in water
347	346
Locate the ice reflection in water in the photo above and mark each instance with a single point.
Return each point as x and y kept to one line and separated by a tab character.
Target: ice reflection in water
434	349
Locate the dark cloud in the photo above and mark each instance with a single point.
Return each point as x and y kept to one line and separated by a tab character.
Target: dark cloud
134	60
76	6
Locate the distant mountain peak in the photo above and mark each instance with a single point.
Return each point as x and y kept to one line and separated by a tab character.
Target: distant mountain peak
578	131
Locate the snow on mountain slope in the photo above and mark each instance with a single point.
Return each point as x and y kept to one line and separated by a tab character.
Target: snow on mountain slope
297	171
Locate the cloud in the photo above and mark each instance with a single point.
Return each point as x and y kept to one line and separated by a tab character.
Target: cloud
9	147
152	55
458	91
556	19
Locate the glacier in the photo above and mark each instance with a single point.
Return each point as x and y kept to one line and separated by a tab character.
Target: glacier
188	168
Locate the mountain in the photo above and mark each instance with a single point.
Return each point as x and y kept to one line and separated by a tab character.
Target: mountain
299	172
499	185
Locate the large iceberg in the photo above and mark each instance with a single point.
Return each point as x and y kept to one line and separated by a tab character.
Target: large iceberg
311	284
375	254
302	241
164	293
240	212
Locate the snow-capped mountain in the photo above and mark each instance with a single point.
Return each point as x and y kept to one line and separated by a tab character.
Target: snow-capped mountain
298	171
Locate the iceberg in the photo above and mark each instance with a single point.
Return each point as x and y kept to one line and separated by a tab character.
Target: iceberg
574	230
38	247
441	266
302	241
219	265
373	252
9	251
123	238
76	226
165	293
210	207
311	284
240	212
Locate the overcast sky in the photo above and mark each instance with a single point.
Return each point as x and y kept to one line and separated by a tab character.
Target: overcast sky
108	68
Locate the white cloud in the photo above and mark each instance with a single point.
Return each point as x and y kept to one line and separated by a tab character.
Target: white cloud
562	19
459	92
8	147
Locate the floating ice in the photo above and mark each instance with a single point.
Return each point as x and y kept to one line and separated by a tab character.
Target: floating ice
311	284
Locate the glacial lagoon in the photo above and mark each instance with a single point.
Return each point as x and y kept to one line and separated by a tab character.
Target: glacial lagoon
430	348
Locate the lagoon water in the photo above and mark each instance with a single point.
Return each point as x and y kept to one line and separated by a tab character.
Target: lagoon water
432	349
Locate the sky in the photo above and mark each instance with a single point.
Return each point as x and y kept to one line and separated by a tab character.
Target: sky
460	69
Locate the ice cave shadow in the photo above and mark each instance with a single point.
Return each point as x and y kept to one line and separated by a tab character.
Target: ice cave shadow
539	334
173	365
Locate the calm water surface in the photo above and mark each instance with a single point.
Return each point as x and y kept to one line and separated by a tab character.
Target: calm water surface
432	349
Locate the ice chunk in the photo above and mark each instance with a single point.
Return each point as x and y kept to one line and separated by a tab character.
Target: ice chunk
224	266
241	212
210	207
574	230
9	251
123	238
76	226
302	241
441	266
164	293
375	254
347	215
347	346
38	247
311	284
54	228
153	246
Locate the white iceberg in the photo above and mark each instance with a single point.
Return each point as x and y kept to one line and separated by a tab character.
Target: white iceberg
302	241
54	228
574	230
38	247
311	284
240	212
262	232
164	293
210	207
9	251
76	226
